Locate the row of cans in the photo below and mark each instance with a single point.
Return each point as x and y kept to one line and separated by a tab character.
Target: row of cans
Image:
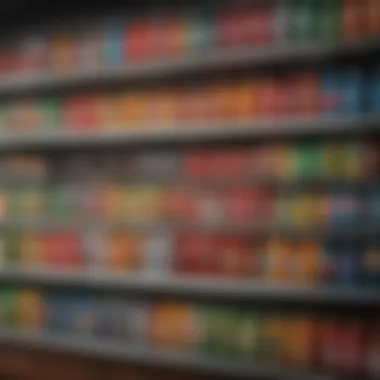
313	160
331	92
333	262
344	206
169	35
344	345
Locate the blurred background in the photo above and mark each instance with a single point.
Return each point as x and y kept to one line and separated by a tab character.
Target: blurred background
190	190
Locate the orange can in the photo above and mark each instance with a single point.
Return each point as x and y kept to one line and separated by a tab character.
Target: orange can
124	252
173	325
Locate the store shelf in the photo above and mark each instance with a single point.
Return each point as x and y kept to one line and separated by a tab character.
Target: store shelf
173	285
209	60
233	131
144	355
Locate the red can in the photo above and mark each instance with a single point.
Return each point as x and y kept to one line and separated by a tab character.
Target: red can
140	40
240	206
234	257
355	18
374	17
195	254
330	344
353	350
62	251
246	25
228	164
82	113
373	352
197	164
181	205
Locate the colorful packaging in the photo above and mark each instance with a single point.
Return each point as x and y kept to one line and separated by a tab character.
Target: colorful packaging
374	17
210	207
355	18
306	87
181	205
30	310
309	262
352	90
300	341
308	159
33	55
329	26
64	50
171	38
235	259
347	208
26	117
195	254
279	261
246	25
114	45
94	249
331	92
50	111
173	325
273	338
62	250
5	126
82	113
304	19
220	331
8	307
158	253
240	206
140	38
248	334
330	344
124	252
90	51
353	349
31	251
201	30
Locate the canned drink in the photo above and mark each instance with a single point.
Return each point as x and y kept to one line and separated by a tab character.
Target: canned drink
353	90
330	22
331	92
304	20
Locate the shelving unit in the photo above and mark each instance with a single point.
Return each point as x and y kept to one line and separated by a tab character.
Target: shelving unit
147	283
241	57
197	287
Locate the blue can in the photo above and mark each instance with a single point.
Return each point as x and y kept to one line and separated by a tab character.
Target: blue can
114	44
331	92
347	209
373	210
350	264
353	90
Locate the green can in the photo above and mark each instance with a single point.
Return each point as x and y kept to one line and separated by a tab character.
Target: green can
49	110
329	24
12	250
58	203
5	126
201	31
249	326
308	160
8	307
304	21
